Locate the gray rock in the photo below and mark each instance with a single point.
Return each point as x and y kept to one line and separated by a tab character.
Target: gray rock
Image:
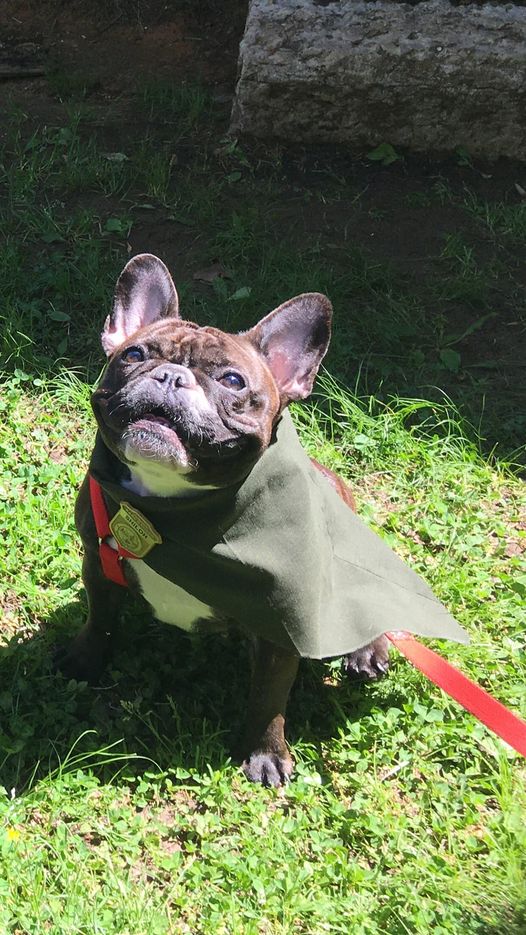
429	77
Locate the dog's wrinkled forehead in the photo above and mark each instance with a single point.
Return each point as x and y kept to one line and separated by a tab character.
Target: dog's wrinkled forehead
202	347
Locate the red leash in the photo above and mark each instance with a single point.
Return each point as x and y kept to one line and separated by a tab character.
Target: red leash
471	696
110	559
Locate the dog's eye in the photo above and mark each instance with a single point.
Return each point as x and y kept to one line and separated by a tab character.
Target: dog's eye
133	355
233	381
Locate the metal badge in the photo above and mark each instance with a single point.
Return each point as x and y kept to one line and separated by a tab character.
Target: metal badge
133	531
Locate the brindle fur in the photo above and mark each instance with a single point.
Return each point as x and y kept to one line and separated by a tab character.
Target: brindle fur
280	358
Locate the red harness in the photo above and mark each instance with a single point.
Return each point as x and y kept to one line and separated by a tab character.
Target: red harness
110	559
470	695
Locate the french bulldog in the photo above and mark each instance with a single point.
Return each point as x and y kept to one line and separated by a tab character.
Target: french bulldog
185	414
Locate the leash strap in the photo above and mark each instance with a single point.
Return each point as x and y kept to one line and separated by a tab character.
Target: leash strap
471	696
110	559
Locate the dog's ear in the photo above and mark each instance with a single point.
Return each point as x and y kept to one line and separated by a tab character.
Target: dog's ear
144	292
293	339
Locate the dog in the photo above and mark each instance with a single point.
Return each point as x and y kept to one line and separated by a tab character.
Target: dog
213	512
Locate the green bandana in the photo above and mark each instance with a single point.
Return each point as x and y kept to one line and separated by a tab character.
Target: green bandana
283	556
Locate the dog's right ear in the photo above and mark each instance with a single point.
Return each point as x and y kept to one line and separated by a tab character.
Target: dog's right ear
144	293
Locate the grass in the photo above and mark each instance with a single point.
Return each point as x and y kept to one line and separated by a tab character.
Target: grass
120	811
75	199
402	808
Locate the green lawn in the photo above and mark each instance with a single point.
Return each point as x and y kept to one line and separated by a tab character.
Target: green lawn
120	810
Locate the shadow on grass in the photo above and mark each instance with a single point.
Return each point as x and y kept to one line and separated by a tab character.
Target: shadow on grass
167	701
513	924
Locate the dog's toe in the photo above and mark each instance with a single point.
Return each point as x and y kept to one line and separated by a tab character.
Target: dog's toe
75	664
269	769
369	662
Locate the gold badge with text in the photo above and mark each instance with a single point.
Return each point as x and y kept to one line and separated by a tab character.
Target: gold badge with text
133	531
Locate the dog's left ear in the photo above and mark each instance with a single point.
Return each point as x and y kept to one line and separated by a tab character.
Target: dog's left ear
293	339
144	293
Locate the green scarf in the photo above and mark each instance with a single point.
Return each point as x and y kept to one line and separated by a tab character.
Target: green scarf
283	556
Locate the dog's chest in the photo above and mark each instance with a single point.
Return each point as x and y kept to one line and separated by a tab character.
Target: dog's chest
169	602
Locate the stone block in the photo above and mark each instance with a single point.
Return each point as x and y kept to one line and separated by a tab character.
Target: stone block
430	76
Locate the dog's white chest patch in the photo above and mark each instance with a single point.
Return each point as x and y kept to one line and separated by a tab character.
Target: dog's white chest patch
169	602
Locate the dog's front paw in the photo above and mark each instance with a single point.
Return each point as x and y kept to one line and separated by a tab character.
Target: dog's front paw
369	662
83	659
269	769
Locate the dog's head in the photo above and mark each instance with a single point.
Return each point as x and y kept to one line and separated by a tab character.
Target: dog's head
186	405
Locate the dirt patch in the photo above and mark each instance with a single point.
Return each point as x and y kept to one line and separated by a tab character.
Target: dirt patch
114	43
117	40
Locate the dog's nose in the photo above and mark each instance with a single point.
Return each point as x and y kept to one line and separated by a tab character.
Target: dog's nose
179	376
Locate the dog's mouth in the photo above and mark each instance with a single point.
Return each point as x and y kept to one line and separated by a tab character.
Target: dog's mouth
156	421
157	437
